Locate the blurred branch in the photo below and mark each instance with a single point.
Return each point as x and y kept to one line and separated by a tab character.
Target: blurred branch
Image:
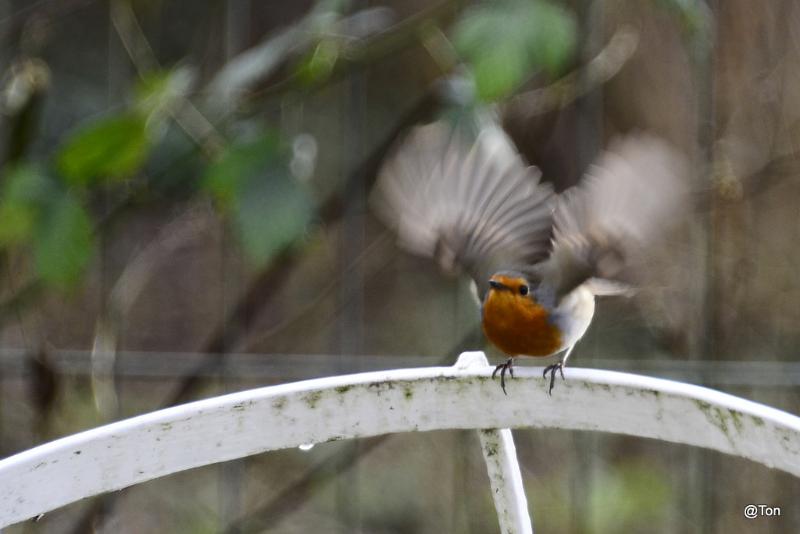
188	117
126	290
34	288
440	48
729	187
398	36
259	62
273	512
44	387
266	284
365	51
20	299
43	8
271	279
21	100
578	83
322	294
132	36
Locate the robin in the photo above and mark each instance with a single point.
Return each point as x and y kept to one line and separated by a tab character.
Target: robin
537	259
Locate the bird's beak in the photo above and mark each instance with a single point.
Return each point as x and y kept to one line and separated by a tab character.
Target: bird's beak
496	285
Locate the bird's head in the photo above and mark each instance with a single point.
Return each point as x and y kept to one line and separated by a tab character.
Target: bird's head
510	283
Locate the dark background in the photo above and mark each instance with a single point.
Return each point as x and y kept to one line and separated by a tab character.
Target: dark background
177	222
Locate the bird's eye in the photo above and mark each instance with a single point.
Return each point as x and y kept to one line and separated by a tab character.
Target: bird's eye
523	290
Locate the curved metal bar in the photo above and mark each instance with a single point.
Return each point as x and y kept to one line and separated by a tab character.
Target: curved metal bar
368	404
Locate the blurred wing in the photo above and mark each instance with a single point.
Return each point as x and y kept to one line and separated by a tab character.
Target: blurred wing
473	208
627	202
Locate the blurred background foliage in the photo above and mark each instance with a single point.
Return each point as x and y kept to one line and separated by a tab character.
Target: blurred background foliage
184	211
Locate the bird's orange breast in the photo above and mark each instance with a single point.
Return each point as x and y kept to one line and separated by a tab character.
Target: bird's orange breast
519	326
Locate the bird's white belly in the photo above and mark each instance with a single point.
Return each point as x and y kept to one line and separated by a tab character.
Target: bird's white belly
574	314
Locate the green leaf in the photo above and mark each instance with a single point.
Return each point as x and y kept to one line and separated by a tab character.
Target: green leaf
505	42
25	189
225	177
498	71
270	209
37	211
109	149
555	39
158	91
318	65
63	243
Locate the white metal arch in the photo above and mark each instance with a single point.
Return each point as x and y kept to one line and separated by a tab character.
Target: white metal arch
369	404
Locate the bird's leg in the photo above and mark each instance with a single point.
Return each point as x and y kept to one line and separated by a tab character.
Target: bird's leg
503	367
559	366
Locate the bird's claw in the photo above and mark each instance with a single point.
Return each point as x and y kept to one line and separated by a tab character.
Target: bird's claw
552	370
503	367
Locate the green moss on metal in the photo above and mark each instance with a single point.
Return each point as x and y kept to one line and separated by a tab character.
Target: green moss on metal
381	386
789	441
722	419
312	399
736	417
490	445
